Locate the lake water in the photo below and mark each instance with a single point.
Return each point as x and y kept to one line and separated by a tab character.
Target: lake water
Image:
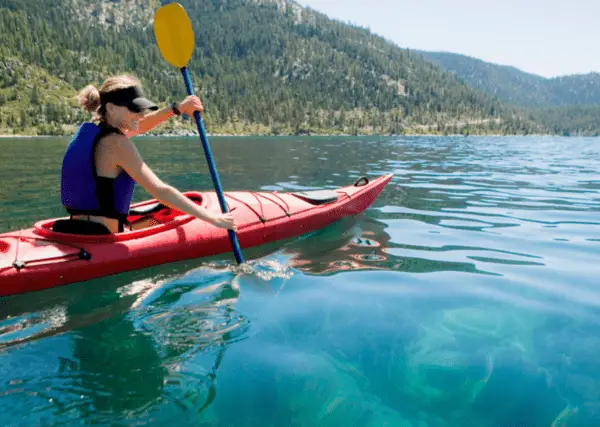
467	295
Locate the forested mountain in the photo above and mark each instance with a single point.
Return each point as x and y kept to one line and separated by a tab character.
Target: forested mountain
567	105
572	120
518	87
580	89
507	83
260	66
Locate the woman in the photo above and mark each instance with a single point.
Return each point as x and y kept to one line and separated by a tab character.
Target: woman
102	165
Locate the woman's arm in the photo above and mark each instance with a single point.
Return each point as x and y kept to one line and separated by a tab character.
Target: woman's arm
155	118
131	162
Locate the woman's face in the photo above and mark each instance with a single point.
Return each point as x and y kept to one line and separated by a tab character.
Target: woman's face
123	117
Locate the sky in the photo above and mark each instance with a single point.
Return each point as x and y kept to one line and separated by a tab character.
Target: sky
544	37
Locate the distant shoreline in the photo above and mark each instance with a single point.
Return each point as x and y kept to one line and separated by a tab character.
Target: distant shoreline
21	136
167	135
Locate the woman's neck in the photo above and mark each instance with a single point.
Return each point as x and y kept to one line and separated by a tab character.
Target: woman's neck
109	121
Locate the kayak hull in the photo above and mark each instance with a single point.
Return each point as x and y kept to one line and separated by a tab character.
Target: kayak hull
38	258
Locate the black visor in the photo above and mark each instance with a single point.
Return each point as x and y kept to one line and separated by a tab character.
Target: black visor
131	97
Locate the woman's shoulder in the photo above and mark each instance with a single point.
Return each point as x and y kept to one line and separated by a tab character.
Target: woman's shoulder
118	143
115	142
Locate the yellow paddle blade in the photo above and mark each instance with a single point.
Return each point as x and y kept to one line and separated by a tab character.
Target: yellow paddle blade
174	34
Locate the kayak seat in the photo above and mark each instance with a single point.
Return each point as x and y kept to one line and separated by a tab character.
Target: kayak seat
79	226
317	197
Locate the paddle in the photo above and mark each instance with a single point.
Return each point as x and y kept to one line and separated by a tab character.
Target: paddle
175	39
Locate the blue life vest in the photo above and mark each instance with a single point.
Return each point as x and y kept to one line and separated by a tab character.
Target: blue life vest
83	192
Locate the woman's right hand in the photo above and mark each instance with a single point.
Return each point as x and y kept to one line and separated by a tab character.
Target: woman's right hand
224	220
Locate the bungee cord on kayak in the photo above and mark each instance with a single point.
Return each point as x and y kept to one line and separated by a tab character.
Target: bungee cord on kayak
274	194
285	209
18	264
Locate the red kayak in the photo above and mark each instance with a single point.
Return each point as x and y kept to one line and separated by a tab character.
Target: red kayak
39	258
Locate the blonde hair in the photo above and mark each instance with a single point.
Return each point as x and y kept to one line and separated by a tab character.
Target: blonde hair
89	96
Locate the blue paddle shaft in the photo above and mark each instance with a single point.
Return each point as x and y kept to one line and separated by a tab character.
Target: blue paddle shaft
213	169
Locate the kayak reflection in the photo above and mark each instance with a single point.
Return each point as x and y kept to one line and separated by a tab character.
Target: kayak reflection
349	244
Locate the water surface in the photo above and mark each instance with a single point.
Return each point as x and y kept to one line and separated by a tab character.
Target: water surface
466	295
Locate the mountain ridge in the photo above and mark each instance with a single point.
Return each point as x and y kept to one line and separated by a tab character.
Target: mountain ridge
519	87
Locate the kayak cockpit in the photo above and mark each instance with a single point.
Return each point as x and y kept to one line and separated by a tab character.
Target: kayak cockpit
159	212
164	217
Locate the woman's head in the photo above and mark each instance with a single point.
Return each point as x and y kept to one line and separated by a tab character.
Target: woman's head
120	101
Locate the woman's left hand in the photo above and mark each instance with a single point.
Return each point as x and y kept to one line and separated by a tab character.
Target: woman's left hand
190	104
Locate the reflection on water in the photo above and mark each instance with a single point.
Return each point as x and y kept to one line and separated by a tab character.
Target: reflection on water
343	246
467	295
